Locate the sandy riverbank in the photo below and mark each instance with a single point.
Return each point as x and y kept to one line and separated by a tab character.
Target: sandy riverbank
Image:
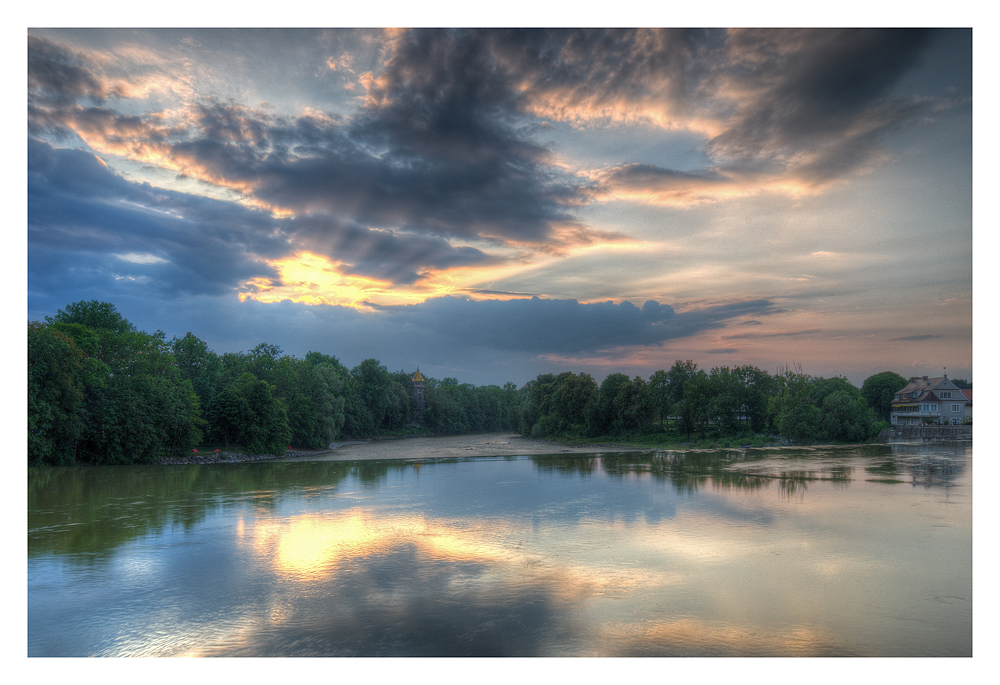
483	445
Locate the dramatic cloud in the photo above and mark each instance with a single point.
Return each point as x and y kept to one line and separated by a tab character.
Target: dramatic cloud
564	326
79	208
819	95
472	197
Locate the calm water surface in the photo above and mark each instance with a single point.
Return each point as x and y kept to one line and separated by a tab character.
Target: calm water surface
862	551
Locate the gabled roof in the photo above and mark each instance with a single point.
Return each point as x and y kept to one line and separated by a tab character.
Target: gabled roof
920	389
968	393
917	384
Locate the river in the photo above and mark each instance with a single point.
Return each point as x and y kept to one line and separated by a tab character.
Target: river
834	551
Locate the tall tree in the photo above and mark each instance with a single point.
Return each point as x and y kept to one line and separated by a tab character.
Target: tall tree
659	394
55	392
93	314
879	391
250	416
677	377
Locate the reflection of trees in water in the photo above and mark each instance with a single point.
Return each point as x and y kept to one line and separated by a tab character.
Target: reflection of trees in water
930	464
753	470
929	471
583	466
792	487
121	503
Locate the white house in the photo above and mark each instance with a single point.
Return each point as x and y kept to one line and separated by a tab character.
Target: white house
930	401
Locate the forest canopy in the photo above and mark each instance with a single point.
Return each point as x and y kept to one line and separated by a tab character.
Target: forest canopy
100	391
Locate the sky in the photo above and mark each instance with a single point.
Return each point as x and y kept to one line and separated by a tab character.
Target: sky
494	204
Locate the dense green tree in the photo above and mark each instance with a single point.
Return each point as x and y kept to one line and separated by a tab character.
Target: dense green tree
250	416
633	408
105	392
372	403
962	383
879	391
755	387
93	314
537	407
659	394
810	409
797	419
448	406
55	392
846	418
725	407
677	376
605	418
820	388
144	408
137	408
697	406
198	364
571	397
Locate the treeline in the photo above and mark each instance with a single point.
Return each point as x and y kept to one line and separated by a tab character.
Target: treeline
101	391
685	401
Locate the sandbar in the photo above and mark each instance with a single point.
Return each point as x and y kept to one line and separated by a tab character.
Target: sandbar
450	446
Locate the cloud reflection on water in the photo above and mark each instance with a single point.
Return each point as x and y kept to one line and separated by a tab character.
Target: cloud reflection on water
509	558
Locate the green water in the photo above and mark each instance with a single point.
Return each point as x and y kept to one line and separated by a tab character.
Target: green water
863	551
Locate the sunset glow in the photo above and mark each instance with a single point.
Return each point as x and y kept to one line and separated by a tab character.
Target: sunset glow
446	198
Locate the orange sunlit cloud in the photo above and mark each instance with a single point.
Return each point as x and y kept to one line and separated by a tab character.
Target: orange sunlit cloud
584	166
659	187
312	279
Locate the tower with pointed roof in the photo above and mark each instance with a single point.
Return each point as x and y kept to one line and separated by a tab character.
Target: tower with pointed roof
418	394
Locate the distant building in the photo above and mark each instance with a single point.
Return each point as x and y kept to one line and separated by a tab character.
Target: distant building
931	401
418	395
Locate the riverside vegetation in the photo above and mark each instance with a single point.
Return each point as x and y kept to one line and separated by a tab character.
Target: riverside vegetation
100	391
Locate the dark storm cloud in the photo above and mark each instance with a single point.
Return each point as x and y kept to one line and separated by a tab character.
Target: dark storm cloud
446	114
445	143
89	225
440	151
479	342
545	326
828	92
58	74
397	257
602	68
82	213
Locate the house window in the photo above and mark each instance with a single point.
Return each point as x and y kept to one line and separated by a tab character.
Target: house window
946	395
956	407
